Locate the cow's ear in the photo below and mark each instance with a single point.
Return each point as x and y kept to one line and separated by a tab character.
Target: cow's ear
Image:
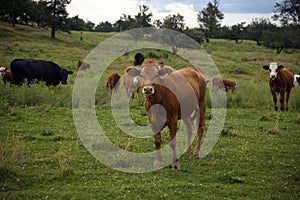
132	71
166	71
6	69
266	67
280	67
70	72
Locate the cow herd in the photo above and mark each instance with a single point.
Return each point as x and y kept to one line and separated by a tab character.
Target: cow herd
181	93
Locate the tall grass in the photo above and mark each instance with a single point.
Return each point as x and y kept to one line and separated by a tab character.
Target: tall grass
37	94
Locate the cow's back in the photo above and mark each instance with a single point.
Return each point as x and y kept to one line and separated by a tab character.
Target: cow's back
184	83
284	80
31	69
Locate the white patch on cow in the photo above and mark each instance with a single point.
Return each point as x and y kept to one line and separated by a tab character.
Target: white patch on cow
273	68
135	80
296	80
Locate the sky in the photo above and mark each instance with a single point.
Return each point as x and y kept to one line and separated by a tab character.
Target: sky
235	11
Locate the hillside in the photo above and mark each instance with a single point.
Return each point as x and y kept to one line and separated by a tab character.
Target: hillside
43	156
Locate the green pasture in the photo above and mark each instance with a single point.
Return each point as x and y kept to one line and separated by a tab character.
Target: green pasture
42	157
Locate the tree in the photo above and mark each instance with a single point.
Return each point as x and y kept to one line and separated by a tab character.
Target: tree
142	19
288	11
256	28
174	22
58	18
237	32
210	18
104	27
76	24
14	9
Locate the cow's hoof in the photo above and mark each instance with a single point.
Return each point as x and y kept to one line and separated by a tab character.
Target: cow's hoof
157	164
175	165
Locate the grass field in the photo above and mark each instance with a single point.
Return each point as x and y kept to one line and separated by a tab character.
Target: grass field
42	157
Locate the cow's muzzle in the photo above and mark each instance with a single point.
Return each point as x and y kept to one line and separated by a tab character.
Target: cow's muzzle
148	90
273	77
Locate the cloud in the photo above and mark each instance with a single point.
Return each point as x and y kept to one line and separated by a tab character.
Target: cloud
99	10
235	18
186	10
235	11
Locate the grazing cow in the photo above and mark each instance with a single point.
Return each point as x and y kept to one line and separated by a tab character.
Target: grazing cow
296	80
113	81
224	84
6	75
281	81
138	59
82	65
131	83
31	69
181	93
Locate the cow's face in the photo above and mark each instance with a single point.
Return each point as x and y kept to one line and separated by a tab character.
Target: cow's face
64	76
3	71
273	68
149	75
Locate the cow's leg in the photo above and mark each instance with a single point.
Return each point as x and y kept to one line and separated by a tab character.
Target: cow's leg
188	125
172	143
157	142
282	102
275	101
201	126
287	100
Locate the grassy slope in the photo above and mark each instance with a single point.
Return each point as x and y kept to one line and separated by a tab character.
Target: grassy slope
257	156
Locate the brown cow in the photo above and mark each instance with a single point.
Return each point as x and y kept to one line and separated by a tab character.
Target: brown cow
281	81
224	84
113	81
131	83
82	65
181	93
6	75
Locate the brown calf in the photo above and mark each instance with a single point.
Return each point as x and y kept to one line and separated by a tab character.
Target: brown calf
224	84
181	93
6	75
281	81
113	81
82	65
131	83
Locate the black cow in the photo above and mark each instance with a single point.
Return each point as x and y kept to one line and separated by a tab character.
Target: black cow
138	59
31	69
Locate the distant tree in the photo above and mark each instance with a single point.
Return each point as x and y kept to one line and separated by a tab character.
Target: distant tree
174	22
105	27
256	28
143	19
90	26
195	33
210	18
11	10
125	23
287	11
281	38
76	24
40	14
58	15
237	31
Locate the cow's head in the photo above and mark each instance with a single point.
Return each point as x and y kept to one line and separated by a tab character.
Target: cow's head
3	71
64	75
273	68
149	75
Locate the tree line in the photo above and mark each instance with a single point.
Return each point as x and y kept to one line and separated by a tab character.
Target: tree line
53	14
